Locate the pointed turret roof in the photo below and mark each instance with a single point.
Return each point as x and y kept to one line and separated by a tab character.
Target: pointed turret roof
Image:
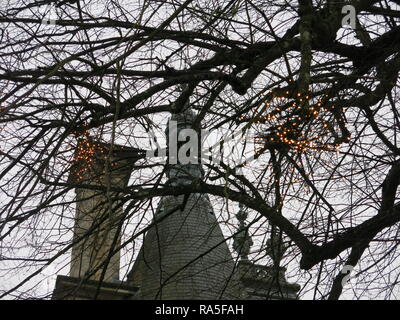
184	255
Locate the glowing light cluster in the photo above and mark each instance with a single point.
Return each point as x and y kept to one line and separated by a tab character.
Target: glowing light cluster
86	153
298	122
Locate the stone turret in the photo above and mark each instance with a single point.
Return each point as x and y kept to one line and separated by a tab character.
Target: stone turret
184	255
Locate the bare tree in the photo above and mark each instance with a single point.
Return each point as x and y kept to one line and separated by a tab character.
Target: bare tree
318	97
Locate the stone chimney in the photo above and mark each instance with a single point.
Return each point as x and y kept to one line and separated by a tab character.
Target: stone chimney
99	213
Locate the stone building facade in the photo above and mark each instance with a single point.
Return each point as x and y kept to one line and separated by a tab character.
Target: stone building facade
184	254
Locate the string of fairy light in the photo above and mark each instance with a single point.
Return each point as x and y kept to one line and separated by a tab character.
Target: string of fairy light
298	122
289	120
86	153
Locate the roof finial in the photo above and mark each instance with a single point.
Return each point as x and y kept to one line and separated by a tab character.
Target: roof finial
242	240
276	248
